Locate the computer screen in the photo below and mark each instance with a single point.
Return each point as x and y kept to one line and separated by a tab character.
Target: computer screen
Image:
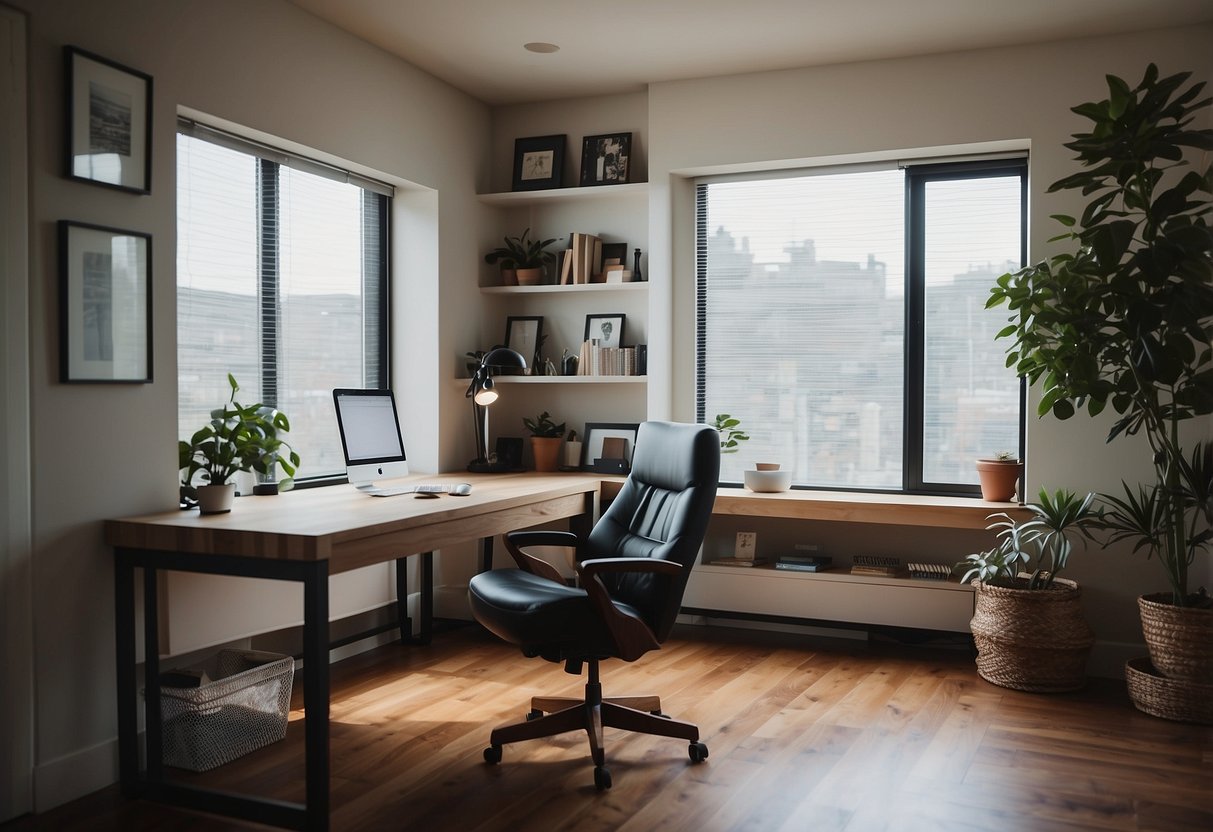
370	435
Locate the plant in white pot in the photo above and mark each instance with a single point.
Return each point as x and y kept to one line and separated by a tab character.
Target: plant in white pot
1126	319
237	438
1028	623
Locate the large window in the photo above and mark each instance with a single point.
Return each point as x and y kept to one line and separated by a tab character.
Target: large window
841	316
281	281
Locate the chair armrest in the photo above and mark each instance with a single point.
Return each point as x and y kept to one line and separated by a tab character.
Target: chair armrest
632	637
594	566
515	542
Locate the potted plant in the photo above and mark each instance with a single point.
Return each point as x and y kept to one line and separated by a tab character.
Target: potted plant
522	255
1126	320
731	434
1028	623
999	476
545	440
237	438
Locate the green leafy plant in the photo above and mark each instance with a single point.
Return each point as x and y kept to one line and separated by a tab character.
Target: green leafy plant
1041	544
731	434
1004	456
1127	318
237	438
521	252
543	425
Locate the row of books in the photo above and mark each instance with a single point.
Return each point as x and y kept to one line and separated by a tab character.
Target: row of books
589	260
597	360
860	565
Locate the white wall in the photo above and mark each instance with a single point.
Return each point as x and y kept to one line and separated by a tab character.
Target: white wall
109	450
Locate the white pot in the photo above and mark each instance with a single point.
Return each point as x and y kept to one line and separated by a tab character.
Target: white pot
572	454
216	499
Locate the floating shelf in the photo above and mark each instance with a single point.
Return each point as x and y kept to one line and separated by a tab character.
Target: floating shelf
565	194
565	289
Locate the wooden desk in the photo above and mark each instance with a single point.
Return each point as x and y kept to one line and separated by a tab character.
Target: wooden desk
306	536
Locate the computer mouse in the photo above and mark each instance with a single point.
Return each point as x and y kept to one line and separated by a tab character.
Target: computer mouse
425	495
461	489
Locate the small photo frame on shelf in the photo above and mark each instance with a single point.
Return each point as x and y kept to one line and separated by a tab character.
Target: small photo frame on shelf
509	452
524	333
105	304
604	159
109	122
607	329
609	447
539	162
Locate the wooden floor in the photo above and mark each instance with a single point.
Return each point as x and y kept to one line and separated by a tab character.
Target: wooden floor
803	735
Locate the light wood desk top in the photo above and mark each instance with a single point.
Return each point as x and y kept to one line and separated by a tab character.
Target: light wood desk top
351	529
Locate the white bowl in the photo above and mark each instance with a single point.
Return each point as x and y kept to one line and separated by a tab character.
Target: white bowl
768	481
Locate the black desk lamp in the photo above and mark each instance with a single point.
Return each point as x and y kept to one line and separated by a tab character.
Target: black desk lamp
483	393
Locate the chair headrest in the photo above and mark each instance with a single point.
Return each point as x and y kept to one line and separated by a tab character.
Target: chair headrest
677	456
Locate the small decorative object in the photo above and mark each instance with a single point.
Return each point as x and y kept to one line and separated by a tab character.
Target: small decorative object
767	481
637	275
568	364
572	452
746	545
607	330
525	256
105	304
545	440
539	162
604	456
549	368
604	159
109	123
238	438
731	434
524	335
999	477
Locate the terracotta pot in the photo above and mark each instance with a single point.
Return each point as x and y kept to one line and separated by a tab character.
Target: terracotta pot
999	479
216	499
509	277
1180	639
766	466
530	277
546	450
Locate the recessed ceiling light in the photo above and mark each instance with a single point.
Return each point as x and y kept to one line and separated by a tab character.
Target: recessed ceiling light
539	46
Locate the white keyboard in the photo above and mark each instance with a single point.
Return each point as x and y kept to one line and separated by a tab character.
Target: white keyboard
458	489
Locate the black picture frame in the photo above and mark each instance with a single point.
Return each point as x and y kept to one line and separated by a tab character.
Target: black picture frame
509	452
105	304
539	162
524	334
596	435
109	123
605	159
612	337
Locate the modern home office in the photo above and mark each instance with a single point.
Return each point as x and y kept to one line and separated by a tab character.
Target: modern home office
583	417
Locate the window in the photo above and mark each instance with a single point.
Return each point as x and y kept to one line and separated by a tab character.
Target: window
281	281
841	316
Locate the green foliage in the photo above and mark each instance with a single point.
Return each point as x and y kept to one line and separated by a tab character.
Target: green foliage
1126	319
731	435
1042	544
543	425
237	438
521	252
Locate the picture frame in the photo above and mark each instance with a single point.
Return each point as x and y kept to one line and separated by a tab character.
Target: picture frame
509	452
109	123
524	334
539	162
605	158
616	437
105	304
608	328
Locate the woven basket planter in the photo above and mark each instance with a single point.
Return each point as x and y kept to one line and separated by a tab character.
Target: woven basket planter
1176	699
1035	640
1180	639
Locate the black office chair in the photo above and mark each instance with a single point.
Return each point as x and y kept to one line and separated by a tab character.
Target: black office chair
632	571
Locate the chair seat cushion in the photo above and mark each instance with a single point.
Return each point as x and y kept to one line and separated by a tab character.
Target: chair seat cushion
542	617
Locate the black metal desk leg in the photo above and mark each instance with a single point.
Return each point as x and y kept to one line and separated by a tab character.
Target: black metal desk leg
426	629
124	650
486	554
316	693
402	600
151	681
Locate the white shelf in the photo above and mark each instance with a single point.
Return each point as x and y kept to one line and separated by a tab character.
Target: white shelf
564	194
550	288
564	380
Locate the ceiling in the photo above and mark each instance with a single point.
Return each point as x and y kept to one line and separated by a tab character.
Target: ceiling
617	46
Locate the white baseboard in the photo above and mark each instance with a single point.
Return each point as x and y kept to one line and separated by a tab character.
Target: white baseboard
75	775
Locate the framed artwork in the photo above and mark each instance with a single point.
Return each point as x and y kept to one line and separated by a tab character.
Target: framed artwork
607	329
109	123
609	447
105	304
604	159
538	162
524	334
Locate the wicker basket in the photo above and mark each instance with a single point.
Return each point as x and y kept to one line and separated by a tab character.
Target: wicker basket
1156	695
244	707
1035	640
1180	639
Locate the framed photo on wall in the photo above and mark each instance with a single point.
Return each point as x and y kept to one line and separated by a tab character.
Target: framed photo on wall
523	334
109	122
606	328
539	162
609	447
105	304
604	159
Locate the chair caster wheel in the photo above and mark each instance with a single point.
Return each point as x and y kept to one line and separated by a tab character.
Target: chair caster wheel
698	752
533	714
492	754
602	778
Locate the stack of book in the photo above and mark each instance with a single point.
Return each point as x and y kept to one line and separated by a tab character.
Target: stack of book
929	571
879	565
804	563
597	360
589	260
738	561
